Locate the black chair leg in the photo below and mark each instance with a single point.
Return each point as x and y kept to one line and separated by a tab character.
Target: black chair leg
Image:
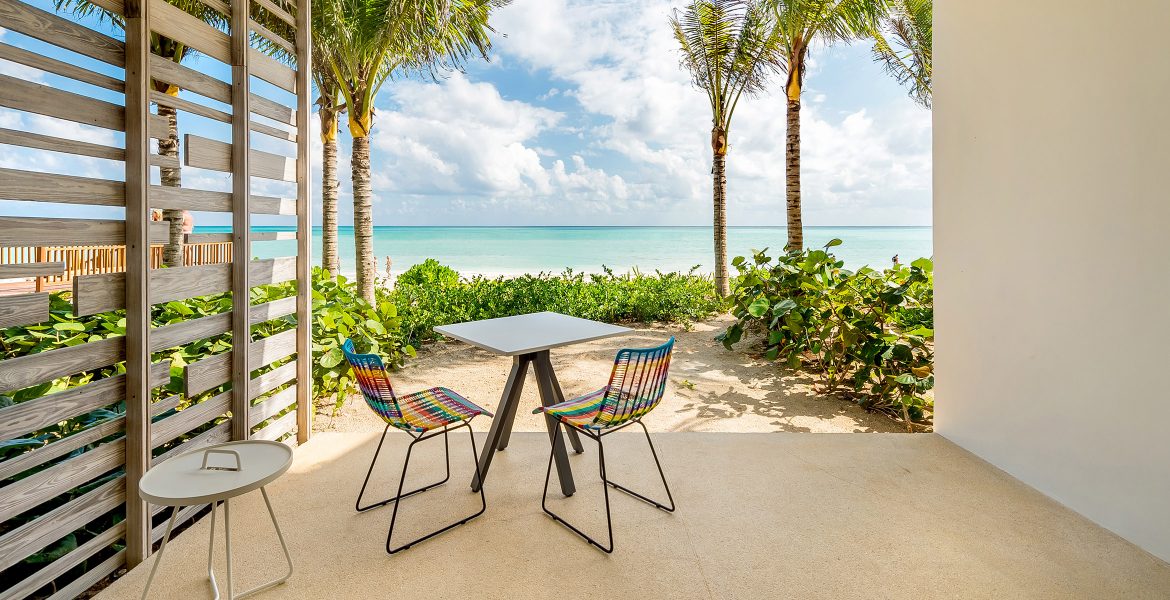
358	504
662	475
608	518
402	481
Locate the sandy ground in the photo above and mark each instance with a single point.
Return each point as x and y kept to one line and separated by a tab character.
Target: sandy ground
710	389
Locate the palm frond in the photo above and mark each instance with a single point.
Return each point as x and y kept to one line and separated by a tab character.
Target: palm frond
902	45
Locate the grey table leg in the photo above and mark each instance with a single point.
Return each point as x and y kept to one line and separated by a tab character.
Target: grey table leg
503	419
511	399
574	439
161	549
548	397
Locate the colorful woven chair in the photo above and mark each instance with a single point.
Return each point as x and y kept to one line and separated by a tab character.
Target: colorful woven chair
636	386
423	415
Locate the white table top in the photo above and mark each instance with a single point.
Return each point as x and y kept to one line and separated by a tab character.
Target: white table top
180	481
524	334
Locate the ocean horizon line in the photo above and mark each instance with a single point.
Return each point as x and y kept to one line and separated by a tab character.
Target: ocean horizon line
318	227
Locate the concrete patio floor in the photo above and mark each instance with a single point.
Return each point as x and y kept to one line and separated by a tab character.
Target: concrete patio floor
760	516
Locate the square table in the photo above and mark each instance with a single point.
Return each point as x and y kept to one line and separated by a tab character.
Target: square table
528	339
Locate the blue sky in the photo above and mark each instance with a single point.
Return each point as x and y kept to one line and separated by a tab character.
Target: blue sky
583	117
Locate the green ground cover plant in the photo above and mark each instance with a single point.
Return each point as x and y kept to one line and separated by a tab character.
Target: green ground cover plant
866	334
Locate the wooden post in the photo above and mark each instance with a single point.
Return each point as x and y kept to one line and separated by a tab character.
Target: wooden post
241	222
40	287
304	229
138	518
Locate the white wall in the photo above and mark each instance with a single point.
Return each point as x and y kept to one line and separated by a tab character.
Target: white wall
1052	240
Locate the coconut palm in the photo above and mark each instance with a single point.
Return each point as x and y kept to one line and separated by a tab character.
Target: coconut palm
371	40
172	50
902	45
800	24
329	107
729	47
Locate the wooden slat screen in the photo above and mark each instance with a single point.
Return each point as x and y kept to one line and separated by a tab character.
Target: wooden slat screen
89	407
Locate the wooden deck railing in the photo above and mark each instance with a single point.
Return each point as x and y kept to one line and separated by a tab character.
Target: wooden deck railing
92	260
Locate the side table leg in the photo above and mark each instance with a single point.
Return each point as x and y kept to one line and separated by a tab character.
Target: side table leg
161	549
211	554
227	541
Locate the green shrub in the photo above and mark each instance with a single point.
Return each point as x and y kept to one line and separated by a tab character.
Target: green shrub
340	313
672	297
429	272
866	332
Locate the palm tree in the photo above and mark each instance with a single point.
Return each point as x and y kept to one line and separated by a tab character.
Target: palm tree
800	24
330	106
374	39
729	47
902	44
172	50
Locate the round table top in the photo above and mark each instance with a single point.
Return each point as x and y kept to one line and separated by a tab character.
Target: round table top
181	481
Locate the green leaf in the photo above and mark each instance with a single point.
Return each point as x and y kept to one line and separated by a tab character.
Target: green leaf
332	358
69	326
758	307
833	242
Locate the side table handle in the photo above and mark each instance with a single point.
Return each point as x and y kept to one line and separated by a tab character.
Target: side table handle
210	451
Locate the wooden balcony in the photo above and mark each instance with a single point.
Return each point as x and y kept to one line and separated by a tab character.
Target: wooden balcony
26	268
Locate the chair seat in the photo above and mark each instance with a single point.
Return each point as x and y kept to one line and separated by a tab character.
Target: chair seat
435	407
581	411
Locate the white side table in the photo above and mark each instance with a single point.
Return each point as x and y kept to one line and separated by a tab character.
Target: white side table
212	474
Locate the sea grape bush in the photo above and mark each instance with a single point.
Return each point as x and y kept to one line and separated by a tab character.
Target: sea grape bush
426	295
866	333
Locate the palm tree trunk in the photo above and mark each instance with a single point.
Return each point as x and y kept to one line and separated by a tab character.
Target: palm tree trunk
792	177
329	189
363	219
719	200
171	177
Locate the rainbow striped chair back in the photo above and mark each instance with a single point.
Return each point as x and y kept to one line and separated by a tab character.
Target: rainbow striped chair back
375	385
636	384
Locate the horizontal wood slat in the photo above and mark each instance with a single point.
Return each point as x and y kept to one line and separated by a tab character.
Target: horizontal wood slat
273	110
215	371
37	231
272	310
37	269
267	205
177	198
166	404
205	153
185	420
38	413
91	577
50	187
30	492
220	433
262	384
19	543
278	12
273	236
270	406
50	28
94	294
274	430
19	464
62	565
31	97
202	200
272	37
64	69
176	24
206	85
188	106
21	372
208	238
24	309
268	69
40	99
56	144
185	332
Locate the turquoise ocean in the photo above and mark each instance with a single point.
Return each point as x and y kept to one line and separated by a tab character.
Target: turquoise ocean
517	250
